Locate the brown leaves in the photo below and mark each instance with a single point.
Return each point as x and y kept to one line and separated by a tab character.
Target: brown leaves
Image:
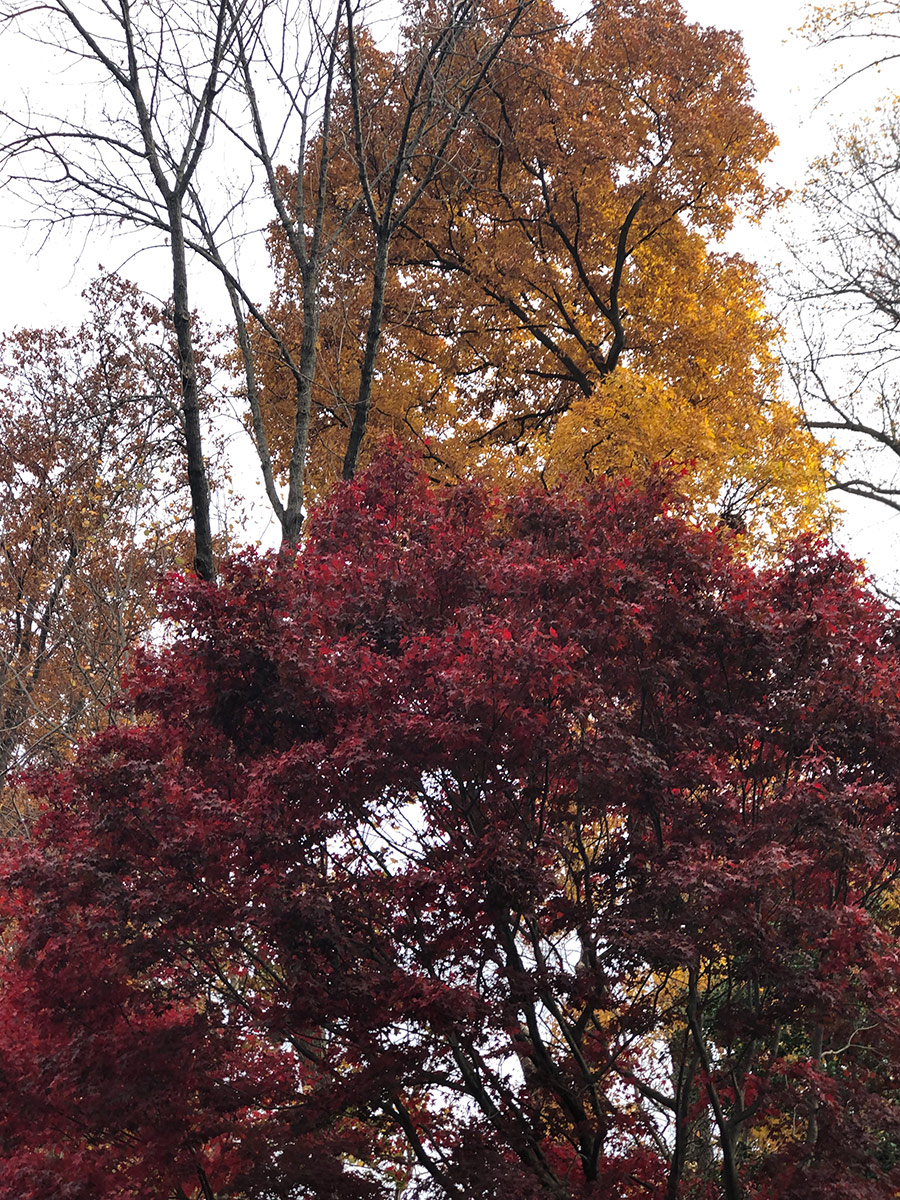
89	490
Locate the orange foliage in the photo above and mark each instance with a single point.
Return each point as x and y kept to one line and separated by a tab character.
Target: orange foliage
570	234
89	488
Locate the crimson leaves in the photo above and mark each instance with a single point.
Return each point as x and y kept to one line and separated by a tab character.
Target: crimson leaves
527	849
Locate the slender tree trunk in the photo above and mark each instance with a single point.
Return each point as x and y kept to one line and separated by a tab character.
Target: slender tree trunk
731	1184
812	1104
196	468
293	513
367	372
684	1071
258	424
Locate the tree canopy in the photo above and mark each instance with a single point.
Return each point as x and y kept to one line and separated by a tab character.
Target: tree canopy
536	847
556	302
519	829
500	247
496	236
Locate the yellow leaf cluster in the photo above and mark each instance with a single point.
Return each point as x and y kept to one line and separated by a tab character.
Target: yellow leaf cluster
753	465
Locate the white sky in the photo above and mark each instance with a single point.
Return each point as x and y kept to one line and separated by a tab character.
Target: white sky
44	288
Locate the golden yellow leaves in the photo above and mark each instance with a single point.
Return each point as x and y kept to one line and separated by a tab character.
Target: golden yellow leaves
752	465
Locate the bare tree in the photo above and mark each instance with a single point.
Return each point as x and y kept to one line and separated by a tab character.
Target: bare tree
847	298
162	68
278	86
845	279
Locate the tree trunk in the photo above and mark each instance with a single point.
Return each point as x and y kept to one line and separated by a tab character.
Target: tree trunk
190	399
367	371
293	513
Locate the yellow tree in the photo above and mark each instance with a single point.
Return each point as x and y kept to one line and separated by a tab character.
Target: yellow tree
557	302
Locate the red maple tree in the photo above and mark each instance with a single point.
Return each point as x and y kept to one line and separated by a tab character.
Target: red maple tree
536	848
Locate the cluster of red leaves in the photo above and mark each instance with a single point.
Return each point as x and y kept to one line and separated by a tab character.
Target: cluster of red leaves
534	849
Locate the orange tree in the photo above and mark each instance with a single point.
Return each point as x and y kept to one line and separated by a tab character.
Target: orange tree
556	300
89	508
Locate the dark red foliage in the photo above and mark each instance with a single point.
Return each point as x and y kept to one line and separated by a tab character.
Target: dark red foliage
504	850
